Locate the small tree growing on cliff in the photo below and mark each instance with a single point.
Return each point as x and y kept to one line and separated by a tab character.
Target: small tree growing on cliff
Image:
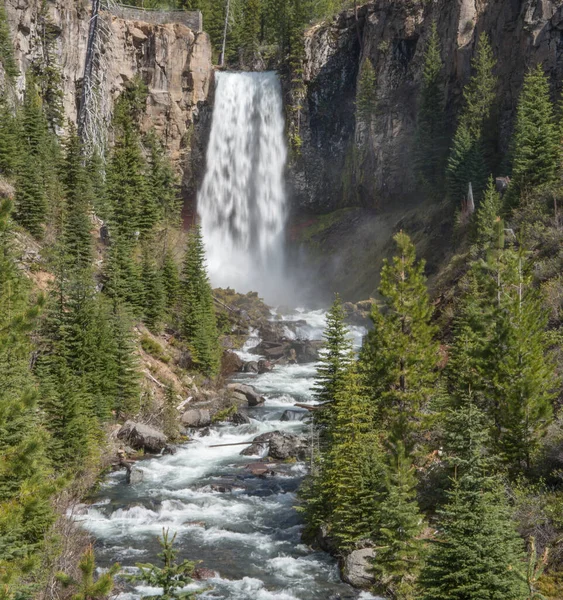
366	96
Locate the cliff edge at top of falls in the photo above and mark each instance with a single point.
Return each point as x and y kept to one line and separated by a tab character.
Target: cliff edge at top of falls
174	61
393	35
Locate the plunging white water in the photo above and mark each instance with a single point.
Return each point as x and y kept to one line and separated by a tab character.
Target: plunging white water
242	202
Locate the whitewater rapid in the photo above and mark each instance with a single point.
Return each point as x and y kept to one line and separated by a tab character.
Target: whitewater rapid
250	535
242	200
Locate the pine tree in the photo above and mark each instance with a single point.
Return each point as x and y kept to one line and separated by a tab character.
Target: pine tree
31	200
353	466
86	588
170	280
25	474
127	400
163	182
399	355
334	362
171	577
535	145
473	153
430	143
250	35
6	47
466	164
153	290
77	225
199	325
524	381
10	135
477	553
488	214
398	546
170	414
366	95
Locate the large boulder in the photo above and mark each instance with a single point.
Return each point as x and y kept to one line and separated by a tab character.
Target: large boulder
142	437
279	445
294	415
356	568
246	392
196	417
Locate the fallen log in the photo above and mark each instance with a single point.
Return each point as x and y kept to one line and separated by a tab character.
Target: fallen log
238	444
308	406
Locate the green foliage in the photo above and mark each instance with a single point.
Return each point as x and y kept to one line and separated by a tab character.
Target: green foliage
477	553
398	546
171	577
399	355
152	347
199	324
487	218
366	95
25	475
430	141
10	134
473	153
333	364
170	281
535	144
31	199
341	488
87	588
6	48
153	290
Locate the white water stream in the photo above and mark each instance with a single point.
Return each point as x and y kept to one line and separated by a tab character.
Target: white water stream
249	533
242	201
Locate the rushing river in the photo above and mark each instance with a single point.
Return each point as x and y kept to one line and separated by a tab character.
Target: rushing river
250	534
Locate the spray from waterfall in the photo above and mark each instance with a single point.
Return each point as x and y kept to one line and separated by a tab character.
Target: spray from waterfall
242	201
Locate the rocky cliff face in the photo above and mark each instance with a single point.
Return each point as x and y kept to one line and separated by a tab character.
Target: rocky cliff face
172	59
393	35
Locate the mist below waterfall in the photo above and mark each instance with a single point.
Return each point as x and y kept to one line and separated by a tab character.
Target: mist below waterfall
242	201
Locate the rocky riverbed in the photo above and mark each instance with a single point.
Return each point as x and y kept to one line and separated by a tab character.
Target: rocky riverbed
233	506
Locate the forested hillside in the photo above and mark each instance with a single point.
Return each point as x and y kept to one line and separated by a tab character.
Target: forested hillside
434	452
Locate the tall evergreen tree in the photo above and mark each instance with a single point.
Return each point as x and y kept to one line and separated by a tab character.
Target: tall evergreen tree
477	553
77	225
334	362
535	145
399	549
199	325
170	280
366	95
473	153
153	290
31	200
430	142
399	355
25	482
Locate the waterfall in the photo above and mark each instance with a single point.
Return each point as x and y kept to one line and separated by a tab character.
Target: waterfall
242	201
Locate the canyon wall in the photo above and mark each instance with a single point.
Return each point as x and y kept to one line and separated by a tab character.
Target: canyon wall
173	60
393	35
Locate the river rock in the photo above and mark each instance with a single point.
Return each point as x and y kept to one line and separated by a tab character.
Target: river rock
293	415
196	417
356	568
264	366
231	363
239	418
135	476
142	437
251	367
202	573
279	445
240	390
